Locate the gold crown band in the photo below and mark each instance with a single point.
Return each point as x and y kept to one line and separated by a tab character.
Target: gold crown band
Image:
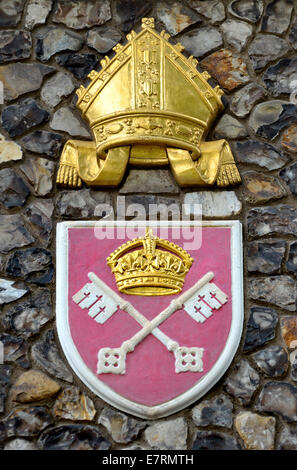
150	271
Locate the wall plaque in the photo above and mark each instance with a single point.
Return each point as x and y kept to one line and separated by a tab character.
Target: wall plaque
149	323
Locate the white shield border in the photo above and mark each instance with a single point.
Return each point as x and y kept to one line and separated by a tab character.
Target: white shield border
94	383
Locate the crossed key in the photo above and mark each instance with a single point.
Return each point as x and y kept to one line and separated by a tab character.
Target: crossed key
199	302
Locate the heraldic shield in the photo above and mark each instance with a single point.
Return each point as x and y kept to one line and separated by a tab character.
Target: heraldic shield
149	317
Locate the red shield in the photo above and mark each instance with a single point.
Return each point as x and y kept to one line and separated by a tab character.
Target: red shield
151	384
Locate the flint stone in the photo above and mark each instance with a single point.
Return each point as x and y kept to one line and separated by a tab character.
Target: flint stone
236	33
128	12
72	404
259	188
273	361
265	49
103	39
176	17
65	120
73	437
291	265
214	412
272	220
9	151
289	331
43	142
289	175
277	290
259	153
287	439
3	259
149	204
22	116
149	181
13	191
167	435
14	45
293	361
245	99
33	264
46	354
39	173
39	217
212	440
37	12
13	233
228	69
82	203
289	139
20	444
250	10
266	256
27	317
80	65
8	293
15	350
212	204
10	12
199	42
277	16
122	428
293	35
243	382
261	327
5	374
79	14
2	432
281	78
229	128
52	40
212	10
32	386
19	78
56	88
27	421
135	446
279	398
257	432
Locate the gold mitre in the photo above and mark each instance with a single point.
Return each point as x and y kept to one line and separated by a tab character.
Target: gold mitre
149	93
149	270
148	105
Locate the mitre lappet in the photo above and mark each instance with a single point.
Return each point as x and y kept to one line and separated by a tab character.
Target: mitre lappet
148	106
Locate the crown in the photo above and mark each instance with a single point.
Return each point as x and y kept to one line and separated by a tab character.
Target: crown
149	270
149	93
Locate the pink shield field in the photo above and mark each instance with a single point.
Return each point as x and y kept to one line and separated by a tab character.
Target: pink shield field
150	378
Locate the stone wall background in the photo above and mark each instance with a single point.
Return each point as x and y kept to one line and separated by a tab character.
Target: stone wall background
47	48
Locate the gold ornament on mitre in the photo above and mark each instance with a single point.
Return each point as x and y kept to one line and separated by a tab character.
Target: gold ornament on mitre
148	106
159	267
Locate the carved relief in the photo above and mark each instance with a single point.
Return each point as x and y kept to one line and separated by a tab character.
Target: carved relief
152	112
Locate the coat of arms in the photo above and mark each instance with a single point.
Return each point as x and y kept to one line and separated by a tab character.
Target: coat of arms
151	323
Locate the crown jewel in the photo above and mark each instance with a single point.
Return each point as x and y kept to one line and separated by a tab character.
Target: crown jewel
149	270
